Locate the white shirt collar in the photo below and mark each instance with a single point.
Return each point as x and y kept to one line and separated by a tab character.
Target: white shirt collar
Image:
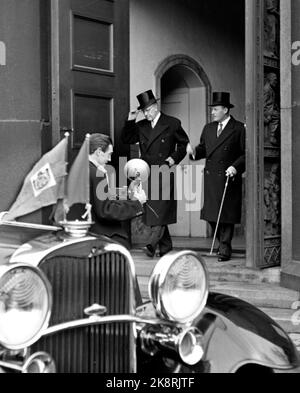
98	166
154	121
225	122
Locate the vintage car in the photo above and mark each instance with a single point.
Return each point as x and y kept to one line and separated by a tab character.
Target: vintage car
68	304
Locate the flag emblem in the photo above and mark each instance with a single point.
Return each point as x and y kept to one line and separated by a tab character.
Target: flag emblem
42	180
45	183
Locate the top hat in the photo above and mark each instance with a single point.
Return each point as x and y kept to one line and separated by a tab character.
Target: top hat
222	99
146	99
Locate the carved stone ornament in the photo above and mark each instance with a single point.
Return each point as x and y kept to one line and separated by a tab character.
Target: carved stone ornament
272	202
271	28
271	111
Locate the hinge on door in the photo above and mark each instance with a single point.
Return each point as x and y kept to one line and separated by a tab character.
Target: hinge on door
66	129
44	123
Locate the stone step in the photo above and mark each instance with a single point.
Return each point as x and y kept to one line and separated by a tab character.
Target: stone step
238	243
233	270
227	274
261	295
143	284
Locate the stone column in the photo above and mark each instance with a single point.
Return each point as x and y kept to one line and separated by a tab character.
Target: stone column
263	133
254	134
290	92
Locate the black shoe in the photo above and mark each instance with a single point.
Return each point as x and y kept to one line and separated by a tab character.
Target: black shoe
148	250
223	258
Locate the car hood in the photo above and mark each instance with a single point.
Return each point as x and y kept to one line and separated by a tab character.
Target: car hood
13	234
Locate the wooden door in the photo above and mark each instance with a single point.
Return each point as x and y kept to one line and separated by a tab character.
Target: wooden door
189	173
90	69
177	104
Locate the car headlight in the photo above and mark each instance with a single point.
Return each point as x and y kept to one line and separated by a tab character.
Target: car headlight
178	286
25	305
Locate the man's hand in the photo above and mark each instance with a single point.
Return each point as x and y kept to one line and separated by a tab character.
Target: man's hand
136	192
133	115
231	171
140	196
170	161
190	150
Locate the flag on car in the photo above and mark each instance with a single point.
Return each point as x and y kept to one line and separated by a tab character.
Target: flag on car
77	186
45	183
78	183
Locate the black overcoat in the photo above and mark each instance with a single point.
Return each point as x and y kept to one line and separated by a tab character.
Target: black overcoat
221	153
166	139
108	214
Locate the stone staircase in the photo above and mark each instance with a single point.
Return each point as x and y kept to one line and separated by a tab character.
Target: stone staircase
258	287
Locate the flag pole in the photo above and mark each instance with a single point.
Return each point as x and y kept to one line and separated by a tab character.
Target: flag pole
88	206
79	228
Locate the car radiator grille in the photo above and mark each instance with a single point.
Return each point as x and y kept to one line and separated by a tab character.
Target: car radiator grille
79	282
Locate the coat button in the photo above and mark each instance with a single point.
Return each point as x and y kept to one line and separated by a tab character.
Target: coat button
163	141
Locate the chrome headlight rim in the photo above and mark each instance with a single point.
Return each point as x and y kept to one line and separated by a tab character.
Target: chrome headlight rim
157	280
4	269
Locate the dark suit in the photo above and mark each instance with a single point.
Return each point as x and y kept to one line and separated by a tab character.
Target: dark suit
108	214
222	152
166	139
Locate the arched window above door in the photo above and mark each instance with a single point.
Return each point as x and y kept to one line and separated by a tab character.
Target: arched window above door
194	74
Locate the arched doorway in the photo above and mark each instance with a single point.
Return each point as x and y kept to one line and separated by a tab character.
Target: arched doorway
184	90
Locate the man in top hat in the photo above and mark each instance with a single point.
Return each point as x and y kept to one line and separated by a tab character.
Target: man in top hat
222	143
162	142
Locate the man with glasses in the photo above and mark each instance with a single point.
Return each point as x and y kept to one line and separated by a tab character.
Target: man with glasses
162	142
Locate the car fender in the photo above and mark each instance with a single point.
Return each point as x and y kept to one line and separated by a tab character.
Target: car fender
235	333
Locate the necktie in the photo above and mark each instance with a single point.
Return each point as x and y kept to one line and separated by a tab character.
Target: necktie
220	129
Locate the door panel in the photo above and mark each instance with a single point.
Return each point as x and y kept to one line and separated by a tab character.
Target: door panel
93	47
177	105
198	119
93	41
189	173
91	113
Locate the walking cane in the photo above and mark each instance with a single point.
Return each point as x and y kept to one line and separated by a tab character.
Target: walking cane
219	216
